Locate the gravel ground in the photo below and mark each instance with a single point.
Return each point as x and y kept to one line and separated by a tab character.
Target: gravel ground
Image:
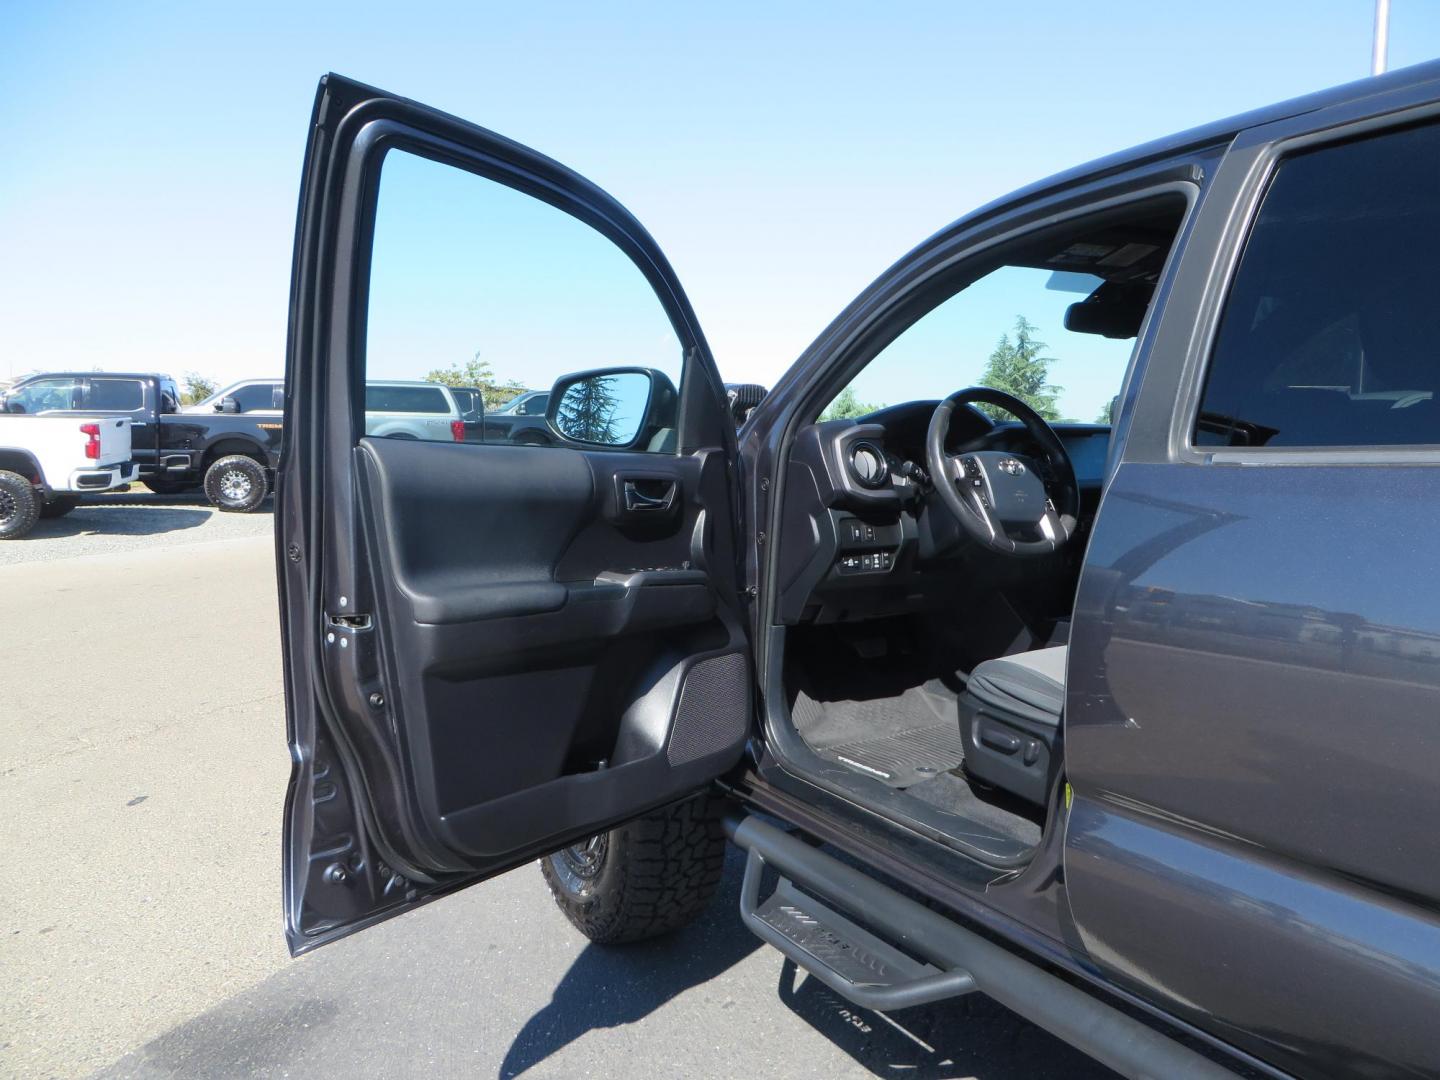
134	521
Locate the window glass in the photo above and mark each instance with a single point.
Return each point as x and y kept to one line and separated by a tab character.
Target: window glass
468	400
1331	333
406	399
255	396
474	284
1006	331
117	394
45	395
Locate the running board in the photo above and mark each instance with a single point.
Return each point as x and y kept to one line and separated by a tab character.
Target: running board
847	958
936	958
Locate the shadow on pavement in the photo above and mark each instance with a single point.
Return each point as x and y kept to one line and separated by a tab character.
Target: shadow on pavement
610	987
88	520
133	513
970	1036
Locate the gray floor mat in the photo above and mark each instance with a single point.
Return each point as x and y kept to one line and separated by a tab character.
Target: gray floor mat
900	740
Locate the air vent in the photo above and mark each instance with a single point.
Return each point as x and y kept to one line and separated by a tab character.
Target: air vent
868	465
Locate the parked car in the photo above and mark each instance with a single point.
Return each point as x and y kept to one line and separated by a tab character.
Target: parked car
413	410
1128	725
47	462
521	420
251	396
231	458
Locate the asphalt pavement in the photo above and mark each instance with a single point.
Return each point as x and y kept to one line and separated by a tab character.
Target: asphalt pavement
142	771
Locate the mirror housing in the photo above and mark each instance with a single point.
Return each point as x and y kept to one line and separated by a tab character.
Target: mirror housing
227	404
619	408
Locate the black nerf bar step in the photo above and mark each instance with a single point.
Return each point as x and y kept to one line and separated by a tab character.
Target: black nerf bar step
931	957
844	956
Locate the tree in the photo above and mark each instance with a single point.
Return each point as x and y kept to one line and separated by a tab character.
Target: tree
1107	414
197	388
1018	368
479	374
587	411
847	406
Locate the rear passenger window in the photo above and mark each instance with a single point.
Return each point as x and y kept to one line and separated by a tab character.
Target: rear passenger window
114	394
1331	333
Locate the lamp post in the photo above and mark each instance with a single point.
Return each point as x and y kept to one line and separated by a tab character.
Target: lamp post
1379	54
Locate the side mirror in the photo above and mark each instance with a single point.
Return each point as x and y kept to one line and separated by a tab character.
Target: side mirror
228	405
615	408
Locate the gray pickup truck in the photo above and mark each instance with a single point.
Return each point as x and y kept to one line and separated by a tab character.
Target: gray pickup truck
1128	722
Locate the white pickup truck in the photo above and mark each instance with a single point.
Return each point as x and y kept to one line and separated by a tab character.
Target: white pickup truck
46	462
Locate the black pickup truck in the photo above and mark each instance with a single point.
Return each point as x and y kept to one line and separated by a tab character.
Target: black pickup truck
232	456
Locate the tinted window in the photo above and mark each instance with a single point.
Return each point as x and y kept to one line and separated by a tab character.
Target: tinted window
408	399
534	405
114	394
256	396
1331	333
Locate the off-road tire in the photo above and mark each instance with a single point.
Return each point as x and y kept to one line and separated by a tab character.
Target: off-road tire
59	506
236	483
642	879
19	505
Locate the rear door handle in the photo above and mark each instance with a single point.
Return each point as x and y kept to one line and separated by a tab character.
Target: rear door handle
636	501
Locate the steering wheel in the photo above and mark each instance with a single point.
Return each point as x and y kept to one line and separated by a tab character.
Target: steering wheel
1003	500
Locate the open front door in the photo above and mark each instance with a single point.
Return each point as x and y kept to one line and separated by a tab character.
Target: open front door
492	649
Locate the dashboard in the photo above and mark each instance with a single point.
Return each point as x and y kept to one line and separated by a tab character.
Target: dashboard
862	537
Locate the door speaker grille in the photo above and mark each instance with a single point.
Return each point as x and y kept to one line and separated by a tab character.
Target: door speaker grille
714	711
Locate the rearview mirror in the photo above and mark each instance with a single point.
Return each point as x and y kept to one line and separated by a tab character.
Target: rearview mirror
617	408
228	405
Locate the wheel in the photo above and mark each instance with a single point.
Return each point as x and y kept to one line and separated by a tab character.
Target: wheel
165	485
59	506
642	879
19	505
236	483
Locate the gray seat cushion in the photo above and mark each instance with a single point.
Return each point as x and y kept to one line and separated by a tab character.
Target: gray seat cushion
1029	685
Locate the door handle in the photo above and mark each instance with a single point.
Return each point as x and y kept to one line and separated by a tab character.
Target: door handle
637	502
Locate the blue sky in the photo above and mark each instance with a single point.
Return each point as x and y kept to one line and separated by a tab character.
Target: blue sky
782	154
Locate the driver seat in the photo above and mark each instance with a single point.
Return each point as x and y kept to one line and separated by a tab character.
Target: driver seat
1010	721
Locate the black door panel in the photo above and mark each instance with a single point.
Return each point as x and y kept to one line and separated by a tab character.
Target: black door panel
539	645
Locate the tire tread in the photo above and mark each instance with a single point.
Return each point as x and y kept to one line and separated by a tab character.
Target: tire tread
662	870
